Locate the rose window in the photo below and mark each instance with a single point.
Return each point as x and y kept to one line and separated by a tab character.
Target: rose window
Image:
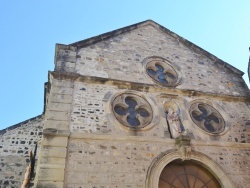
162	72
207	118
132	110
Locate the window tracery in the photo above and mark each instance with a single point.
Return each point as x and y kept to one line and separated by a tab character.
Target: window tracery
162	72
207	118
132	110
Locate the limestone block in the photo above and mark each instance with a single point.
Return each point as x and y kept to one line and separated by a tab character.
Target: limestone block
70	64
56	124
62	83
60	98
58	106
66	55
65	69
52	166
65	47
54	115
52	160
61	90
65	64
51	174
46	184
53	151
55	141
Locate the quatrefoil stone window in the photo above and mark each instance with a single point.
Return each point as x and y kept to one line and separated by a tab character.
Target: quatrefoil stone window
207	118
132	110
162	72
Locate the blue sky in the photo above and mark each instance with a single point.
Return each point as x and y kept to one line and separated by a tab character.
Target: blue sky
30	30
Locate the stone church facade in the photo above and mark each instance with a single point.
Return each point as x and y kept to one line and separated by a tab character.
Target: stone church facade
138	107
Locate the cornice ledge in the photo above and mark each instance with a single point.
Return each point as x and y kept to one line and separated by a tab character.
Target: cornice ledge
145	87
86	136
219	144
76	135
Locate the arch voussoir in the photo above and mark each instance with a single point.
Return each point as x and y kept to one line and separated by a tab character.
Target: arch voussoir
164	159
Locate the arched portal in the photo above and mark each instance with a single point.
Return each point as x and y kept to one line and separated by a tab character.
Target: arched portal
186	174
207	166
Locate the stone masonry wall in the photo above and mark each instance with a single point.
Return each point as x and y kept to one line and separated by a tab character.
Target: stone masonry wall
84	145
15	144
91	113
234	160
121	57
110	163
103	162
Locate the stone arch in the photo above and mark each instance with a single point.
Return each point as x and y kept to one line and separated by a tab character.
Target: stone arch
164	159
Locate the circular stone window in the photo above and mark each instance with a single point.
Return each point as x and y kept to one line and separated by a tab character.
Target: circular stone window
132	110
162	72
207	118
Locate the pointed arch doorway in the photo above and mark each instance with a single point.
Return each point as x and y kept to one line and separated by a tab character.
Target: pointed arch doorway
186	174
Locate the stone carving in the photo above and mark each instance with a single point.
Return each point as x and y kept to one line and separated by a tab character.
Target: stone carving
183	145
174	122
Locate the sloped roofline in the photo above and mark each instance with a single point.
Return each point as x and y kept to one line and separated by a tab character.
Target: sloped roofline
105	36
3	131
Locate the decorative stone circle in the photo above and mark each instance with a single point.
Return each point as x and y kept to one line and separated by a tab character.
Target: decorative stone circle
162	72
132	110
207	118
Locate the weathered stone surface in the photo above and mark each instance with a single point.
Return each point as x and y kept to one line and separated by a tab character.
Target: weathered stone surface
51	184
65	84
86	145
98	162
61	90
50	151
56	124
58	98
51	175
122	59
51	160
59	106
15	145
55	141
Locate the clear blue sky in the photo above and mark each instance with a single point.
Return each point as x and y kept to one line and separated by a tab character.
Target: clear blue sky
30	29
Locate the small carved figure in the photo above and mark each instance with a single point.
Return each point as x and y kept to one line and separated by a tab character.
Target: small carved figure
174	123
